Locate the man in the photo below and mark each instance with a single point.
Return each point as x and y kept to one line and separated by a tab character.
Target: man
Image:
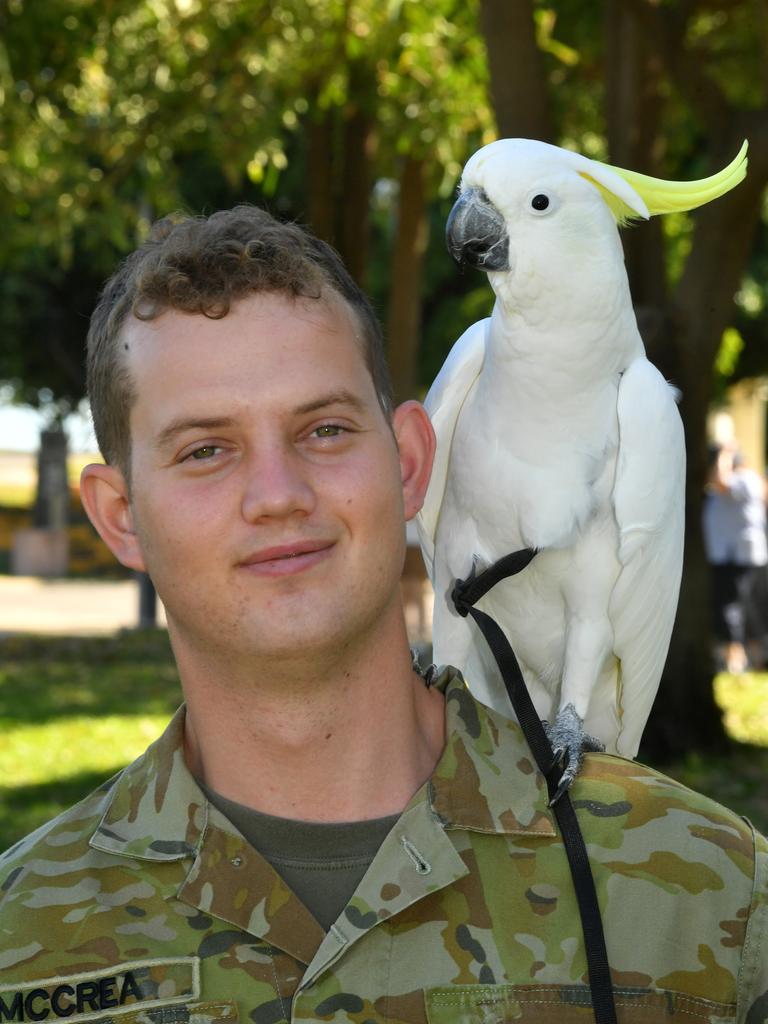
734	521
321	834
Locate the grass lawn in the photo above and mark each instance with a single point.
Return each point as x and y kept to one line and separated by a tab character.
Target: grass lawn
74	711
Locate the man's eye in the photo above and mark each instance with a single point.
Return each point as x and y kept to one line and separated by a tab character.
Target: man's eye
206	452
329	430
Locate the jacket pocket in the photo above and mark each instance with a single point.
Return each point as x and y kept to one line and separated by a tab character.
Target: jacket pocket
219	1012
565	1004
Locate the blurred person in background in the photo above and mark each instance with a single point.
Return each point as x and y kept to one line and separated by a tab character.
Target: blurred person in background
734	525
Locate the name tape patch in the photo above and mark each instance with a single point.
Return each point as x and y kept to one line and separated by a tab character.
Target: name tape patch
142	984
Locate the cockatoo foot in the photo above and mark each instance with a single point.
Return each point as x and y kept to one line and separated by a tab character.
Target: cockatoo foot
569	742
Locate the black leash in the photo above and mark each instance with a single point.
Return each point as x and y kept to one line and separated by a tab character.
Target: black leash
464	595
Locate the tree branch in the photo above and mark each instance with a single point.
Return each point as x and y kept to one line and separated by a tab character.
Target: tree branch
665	29
518	82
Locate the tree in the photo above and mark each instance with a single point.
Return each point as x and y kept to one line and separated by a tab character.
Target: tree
106	107
125	108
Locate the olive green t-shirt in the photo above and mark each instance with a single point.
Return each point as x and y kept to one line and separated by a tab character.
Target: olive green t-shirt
321	862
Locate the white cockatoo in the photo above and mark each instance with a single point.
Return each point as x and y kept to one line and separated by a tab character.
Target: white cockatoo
555	432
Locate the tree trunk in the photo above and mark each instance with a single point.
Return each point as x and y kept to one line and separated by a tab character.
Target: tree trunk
320	167
633	109
404	311
341	149
353	232
518	83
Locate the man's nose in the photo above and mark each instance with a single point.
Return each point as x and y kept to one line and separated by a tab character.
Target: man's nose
278	484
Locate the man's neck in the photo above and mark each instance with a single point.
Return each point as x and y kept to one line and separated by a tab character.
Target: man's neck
349	740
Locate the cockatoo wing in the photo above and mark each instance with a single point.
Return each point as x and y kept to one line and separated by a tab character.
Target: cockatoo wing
649	497
443	403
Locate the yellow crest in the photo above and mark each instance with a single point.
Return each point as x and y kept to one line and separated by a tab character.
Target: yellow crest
661	196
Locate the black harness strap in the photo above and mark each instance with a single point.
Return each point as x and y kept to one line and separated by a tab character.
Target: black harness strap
464	595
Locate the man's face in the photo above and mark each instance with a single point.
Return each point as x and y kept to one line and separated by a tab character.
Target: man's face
267	494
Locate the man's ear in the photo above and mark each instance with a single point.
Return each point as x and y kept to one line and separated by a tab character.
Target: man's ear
416	444
104	494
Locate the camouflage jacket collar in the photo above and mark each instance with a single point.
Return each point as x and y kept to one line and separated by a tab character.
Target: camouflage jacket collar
485	780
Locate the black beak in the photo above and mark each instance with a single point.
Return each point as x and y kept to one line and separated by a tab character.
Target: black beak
476	233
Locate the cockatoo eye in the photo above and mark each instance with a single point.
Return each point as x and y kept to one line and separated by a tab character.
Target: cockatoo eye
541	204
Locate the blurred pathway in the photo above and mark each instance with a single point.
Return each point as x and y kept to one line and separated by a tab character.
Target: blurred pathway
32	605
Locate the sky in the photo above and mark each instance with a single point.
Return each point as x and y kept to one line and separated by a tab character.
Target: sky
20	429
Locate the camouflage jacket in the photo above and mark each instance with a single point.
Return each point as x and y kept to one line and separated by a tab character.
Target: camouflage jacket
143	905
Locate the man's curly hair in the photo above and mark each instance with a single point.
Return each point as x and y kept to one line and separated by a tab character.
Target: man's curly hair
202	265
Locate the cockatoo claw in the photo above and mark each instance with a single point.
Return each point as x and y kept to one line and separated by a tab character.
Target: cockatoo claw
461	587
569	741
557	759
566	779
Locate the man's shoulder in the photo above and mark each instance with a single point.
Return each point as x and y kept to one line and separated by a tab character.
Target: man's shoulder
624	802
626	785
64	838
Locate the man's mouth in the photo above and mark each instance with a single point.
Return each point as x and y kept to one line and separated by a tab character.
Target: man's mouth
287	559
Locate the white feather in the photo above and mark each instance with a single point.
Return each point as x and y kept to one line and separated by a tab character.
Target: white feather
443	403
648	502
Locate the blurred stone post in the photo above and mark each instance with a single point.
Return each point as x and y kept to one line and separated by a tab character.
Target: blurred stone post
43	550
51	510
147	602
